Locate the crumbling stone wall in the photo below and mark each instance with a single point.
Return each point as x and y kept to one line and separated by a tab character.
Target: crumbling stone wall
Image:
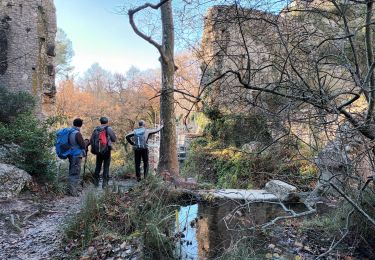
239	40
27	49
231	42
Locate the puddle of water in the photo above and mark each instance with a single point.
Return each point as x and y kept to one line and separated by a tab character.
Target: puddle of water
205	231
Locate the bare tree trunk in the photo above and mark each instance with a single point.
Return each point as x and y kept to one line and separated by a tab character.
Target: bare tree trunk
168	160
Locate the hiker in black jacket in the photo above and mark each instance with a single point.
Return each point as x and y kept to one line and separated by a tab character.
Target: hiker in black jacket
138	139
102	150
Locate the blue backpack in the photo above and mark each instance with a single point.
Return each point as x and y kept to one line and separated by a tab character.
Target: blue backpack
140	141
63	147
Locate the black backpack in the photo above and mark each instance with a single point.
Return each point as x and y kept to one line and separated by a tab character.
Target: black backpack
99	141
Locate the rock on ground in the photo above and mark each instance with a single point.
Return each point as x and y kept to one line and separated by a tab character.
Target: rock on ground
12	180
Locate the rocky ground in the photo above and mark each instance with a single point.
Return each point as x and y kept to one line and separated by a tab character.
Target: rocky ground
31	228
31	225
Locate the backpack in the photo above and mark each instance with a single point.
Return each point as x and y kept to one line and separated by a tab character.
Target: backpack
99	141
62	145
140	139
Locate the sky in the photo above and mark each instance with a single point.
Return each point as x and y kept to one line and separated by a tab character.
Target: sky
100	35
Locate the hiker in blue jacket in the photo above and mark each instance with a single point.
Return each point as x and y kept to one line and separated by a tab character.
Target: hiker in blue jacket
77	142
138	139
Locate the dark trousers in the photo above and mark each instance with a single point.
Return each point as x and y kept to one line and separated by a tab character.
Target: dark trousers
105	160
141	154
74	173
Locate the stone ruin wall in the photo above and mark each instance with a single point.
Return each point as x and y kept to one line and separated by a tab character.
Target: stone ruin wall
27	45
221	51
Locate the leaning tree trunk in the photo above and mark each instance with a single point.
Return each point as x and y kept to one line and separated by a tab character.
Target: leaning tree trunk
168	160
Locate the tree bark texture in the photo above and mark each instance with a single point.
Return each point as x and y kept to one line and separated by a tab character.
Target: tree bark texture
168	160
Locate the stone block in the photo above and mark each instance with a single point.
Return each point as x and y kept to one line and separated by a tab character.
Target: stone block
27	38
282	190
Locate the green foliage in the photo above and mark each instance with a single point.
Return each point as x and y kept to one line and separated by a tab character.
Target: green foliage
19	126
234	171
64	54
225	155
14	104
82	225
153	214
201	120
236	130
143	213
234	168
34	145
359	224
242	249
329	224
332	225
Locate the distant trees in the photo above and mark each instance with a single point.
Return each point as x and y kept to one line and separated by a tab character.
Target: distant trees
64	54
125	100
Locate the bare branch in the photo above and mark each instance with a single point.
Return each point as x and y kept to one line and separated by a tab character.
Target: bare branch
147	38
370	61
361	211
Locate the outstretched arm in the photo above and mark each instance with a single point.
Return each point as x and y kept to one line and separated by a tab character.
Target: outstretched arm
155	130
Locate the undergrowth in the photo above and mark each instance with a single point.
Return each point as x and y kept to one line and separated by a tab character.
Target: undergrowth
232	167
145	213
326	229
29	139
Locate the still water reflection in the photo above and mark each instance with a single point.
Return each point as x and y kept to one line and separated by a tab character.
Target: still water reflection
206	230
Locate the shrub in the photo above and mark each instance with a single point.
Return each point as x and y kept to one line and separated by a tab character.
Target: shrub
13	104
34	154
19	126
232	168
82	225
236	130
145	212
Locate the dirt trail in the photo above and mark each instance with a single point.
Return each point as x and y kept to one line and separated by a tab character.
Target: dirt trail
40	222
41	233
